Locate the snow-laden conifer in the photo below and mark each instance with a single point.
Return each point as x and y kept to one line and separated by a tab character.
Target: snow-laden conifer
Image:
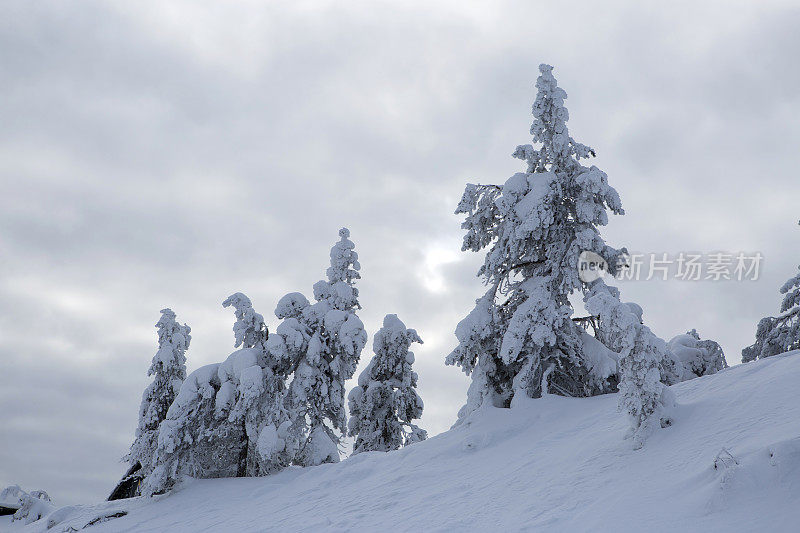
168	369
385	401
30	506
775	335
780	334
249	330
324	342
535	226
252	392
229	418
642	395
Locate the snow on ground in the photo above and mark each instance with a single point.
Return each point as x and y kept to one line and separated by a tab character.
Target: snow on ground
555	464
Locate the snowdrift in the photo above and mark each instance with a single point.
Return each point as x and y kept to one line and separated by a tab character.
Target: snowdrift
731	462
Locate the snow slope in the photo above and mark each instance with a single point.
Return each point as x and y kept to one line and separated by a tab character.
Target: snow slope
555	464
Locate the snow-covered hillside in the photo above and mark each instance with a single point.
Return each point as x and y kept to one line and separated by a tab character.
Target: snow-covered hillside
555	464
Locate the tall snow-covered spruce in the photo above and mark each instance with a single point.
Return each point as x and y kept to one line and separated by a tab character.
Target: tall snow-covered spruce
535	226
775	335
385	401
169	370
253	389
324	340
249	330
521	339
697	357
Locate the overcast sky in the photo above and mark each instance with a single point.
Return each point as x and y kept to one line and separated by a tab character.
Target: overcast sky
158	154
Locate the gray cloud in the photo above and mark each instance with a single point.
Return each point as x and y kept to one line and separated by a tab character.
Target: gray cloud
158	155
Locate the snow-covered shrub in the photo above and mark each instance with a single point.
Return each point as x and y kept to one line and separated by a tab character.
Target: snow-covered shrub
324	342
789	319
190	433
169	370
229	418
385	401
780	334
535	225
643	396
77	517
10	497
697	357
252	395
30	506
33	509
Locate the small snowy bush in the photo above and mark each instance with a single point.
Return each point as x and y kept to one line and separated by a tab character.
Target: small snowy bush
697	357
249	330
385	401
642	395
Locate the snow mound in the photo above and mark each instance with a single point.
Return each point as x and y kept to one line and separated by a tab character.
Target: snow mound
730	462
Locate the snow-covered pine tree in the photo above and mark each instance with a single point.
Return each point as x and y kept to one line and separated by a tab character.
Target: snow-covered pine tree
229	418
249	330
642	395
169	370
30	506
535	226
385	401
324	340
253	391
775	335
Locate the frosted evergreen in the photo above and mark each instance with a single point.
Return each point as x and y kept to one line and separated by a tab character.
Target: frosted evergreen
385	402
168	369
642	395
323	341
534	225
697	357
775	335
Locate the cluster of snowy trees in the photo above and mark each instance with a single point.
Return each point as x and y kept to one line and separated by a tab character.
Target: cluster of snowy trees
521	337
279	399
779	334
